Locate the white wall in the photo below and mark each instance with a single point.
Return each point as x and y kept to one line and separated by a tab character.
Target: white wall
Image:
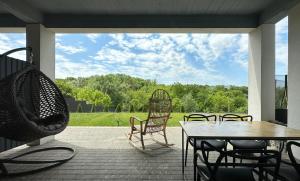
261	73
294	69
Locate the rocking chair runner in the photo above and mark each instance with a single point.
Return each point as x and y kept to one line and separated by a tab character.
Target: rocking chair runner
160	106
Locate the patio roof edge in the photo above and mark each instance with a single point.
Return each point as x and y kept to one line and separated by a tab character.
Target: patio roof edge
152	30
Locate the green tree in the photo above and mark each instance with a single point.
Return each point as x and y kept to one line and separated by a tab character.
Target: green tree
134	93
94	97
189	103
65	87
178	90
136	104
139	99
221	102
176	104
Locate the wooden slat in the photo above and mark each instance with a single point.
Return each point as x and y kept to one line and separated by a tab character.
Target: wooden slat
104	153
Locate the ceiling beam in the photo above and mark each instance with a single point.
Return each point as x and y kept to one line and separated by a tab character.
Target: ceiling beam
149	21
278	10
22	10
8	20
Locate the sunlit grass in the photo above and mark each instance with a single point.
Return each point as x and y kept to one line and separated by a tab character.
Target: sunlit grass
114	119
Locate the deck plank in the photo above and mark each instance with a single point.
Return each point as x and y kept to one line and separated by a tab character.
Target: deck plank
104	153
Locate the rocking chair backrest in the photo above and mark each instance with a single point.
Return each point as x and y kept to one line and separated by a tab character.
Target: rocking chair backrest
160	106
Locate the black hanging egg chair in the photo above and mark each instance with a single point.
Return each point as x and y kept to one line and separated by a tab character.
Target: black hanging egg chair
31	107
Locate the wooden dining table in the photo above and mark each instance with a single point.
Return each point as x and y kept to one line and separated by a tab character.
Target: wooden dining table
234	130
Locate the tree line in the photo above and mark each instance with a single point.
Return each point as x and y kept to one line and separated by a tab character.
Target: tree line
121	92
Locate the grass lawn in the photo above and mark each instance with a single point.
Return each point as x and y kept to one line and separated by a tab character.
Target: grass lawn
114	119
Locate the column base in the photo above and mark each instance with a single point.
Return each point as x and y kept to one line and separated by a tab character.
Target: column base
42	141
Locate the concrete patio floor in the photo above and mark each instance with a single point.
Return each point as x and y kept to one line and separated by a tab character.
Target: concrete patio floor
104	153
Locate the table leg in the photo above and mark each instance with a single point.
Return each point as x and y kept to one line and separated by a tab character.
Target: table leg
182	148
194	158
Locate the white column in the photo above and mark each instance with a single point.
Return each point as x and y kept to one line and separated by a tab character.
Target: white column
294	70
261	73
42	42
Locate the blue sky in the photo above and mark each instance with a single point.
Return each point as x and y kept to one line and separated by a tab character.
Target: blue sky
187	58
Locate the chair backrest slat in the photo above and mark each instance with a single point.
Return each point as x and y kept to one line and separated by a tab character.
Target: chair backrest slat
235	117
160	106
199	117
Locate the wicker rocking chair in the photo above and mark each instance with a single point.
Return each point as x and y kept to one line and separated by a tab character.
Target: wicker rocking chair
160	106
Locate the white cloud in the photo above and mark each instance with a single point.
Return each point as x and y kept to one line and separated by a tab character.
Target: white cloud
3	37
161	57
69	49
111	56
139	35
84	68
219	43
8	41
186	58
282	26
281	55
209	48
241	55
166	57
93	37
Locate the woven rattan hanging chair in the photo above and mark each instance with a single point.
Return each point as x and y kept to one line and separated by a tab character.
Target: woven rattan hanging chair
31	107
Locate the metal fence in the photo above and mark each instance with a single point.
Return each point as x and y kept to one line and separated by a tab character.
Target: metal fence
281	98
9	66
281	91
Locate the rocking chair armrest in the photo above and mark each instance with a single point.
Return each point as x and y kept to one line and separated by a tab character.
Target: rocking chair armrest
133	118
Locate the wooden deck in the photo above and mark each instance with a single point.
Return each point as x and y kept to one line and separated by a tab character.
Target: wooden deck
104	153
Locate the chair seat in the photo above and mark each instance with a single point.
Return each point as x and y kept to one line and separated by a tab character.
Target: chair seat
230	174
216	143
248	144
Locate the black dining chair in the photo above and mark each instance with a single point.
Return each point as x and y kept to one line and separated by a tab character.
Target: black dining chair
289	168
201	117
215	169
243	144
